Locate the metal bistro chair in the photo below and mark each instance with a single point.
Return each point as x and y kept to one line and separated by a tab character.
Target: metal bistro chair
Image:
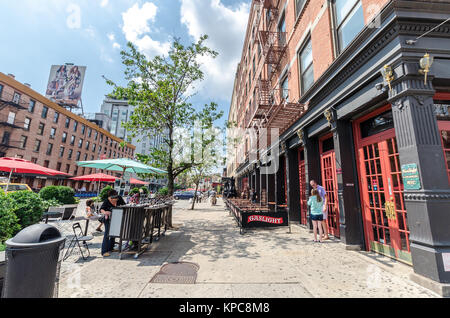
79	237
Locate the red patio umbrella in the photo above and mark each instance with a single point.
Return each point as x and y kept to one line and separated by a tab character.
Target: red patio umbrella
136	181
99	177
18	165
96	177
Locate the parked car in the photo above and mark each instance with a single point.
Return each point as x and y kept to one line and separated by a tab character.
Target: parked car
185	195
14	187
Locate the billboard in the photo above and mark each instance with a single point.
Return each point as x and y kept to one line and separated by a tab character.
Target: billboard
65	84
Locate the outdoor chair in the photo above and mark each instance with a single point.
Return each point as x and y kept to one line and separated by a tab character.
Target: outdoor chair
69	210
79	237
55	213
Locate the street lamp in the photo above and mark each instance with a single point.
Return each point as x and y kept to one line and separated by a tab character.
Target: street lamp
388	74
425	64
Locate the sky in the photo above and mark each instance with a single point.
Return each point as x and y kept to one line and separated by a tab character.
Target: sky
39	33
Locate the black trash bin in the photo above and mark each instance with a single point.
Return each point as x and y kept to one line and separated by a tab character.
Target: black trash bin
32	262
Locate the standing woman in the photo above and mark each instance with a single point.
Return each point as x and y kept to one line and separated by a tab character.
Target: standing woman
316	203
113	200
324	196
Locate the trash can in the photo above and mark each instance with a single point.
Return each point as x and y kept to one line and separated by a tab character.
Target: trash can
33	262
2	270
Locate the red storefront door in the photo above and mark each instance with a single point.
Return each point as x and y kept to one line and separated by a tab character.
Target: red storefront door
329	182
444	129
442	102
383	207
285	181
302	179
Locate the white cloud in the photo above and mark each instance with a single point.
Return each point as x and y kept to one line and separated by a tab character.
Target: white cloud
136	26
112	38
104	3
226	30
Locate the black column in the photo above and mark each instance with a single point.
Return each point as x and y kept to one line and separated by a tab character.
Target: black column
350	219
312	165
263	185
280	195
427	197
271	184
258	184
293	185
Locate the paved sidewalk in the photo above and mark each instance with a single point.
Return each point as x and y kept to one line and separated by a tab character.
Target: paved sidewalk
262	263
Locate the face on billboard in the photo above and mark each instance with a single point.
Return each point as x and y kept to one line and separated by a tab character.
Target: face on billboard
65	83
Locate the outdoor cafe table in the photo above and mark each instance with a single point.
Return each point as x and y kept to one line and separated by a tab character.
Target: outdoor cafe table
137	223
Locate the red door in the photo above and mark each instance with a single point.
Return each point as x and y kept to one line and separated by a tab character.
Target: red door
444	129
442	99
285	182
329	182
381	186
302	179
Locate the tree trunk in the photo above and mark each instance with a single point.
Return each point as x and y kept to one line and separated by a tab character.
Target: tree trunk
195	196
170	184
170	192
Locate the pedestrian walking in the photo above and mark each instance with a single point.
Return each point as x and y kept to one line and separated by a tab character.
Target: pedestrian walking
213	198
316	204
324	196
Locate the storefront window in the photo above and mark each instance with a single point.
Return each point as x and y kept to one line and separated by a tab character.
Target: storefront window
327	145
442	109
377	124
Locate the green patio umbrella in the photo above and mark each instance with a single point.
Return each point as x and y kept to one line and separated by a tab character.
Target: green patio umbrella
122	165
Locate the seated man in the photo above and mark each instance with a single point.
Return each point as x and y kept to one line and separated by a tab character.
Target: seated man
113	200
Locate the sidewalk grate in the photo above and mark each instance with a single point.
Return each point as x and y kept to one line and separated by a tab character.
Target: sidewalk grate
176	273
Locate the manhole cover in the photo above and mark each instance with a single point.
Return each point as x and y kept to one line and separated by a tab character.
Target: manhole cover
176	273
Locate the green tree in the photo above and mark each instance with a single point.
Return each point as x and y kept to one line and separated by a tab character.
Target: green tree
160	89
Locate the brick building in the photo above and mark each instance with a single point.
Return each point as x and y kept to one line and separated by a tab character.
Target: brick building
348	90
34	128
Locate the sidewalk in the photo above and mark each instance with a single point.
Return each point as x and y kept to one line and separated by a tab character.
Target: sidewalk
262	263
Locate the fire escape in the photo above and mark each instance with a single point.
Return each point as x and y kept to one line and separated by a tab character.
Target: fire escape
8	124
274	108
